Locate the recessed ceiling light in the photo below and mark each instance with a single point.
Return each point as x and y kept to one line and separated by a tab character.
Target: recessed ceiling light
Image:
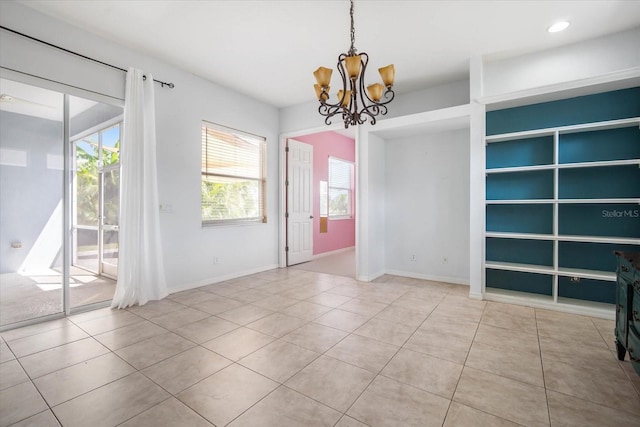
558	26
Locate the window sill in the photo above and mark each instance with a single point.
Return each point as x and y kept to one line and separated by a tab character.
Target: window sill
340	218
232	222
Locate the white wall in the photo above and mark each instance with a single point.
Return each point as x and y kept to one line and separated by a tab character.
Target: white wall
370	216
306	116
583	60
427	206
434	98
188	248
30	193
370	161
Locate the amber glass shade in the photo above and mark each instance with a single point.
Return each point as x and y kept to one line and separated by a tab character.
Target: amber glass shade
347	97
375	91
388	75
353	65
323	76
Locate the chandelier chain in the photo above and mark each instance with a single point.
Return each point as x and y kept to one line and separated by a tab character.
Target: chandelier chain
352	51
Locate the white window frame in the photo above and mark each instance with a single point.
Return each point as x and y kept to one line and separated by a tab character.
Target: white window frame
349	189
261	179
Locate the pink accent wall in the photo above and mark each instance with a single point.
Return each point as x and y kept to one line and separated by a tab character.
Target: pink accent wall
340	233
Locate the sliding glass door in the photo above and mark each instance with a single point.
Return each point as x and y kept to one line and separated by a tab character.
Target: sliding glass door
48	183
95	131
31	202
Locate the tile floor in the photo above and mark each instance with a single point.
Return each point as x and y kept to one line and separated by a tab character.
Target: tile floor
297	348
29	295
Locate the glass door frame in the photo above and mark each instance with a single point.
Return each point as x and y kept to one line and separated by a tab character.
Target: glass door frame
67	187
103	269
106	268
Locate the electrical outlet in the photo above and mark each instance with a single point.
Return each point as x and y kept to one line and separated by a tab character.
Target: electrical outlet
166	208
216	260
575	279
413	257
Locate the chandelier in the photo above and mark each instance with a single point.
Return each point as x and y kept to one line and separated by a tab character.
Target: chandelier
354	104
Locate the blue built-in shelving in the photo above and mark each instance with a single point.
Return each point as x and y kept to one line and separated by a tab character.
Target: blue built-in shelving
562	193
600	107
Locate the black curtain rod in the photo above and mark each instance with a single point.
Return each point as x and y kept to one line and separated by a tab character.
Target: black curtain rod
163	84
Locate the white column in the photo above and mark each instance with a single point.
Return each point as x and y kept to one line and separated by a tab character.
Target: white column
476	181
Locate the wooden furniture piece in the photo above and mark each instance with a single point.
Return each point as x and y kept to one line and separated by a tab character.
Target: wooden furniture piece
628	307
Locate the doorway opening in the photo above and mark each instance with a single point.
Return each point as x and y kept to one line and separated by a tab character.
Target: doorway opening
319	203
96	191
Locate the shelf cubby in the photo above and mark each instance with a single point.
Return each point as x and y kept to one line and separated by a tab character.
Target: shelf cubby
614	105
599	182
599	219
601	145
591	256
533	151
520	218
521	251
587	289
536	283
520	185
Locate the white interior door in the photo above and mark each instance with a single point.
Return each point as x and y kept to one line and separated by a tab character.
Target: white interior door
299	202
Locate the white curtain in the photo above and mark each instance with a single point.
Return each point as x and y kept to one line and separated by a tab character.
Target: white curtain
141	275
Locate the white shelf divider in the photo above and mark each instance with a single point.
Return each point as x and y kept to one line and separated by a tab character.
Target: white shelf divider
586	127
556	193
522	202
629	201
600	164
595	164
525	236
524	268
600	201
521	169
565	305
600	239
587	274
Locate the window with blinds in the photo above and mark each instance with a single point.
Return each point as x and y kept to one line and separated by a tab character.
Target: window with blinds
340	188
233	176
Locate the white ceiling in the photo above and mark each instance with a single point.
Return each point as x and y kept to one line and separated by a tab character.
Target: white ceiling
34	101
269	49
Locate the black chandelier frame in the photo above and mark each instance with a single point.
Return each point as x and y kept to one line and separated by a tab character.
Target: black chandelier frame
349	110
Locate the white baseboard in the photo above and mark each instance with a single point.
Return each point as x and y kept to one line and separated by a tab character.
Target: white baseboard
212	280
602	313
337	251
431	277
474	295
371	277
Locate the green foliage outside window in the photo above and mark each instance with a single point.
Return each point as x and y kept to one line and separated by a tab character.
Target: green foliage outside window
233	180
87	201
339	204
230	200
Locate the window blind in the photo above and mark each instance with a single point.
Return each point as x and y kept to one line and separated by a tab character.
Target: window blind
340	188
233	175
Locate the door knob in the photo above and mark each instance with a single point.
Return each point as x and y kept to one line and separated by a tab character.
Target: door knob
310	216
